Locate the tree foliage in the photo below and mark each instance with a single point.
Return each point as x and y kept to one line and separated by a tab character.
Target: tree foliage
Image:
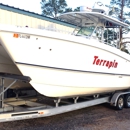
71	10
119	9
68	10
77	9
53	7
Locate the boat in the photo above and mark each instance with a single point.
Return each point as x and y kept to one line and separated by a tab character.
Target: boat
87	62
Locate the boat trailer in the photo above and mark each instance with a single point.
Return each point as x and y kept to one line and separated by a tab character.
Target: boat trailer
27	107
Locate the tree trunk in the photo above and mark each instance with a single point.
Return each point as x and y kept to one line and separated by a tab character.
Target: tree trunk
121	17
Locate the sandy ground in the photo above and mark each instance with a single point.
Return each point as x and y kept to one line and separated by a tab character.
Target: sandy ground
101	117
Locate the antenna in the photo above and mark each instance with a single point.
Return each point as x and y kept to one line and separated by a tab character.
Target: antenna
100	7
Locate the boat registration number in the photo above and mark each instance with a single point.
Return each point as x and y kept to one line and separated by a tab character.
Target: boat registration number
15	35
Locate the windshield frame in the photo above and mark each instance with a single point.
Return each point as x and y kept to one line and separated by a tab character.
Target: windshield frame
86	29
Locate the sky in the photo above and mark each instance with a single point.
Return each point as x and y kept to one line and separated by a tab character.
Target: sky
35	6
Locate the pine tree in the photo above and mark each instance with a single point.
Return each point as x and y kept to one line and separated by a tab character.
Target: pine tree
77	9
68	10
119	8
53	7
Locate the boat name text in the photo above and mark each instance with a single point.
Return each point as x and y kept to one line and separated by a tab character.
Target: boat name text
106	63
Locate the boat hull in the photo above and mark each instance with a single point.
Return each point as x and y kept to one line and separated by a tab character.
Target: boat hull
8	66
57	82
64	65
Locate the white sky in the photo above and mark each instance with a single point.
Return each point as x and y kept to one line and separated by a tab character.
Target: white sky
35	6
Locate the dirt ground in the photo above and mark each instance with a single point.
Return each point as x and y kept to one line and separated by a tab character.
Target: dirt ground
101	117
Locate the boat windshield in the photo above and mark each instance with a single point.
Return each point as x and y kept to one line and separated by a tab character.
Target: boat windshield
86	31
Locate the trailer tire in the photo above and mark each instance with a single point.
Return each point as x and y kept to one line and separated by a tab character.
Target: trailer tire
127	101
120	103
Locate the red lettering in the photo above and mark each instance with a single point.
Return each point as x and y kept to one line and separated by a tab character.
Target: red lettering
107	64
116	64
113	63
95	57
110	65
104	62
97	62
101	62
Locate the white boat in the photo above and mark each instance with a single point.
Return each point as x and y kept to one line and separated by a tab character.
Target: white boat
62	65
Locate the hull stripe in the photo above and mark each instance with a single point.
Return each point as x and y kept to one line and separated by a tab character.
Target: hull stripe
71	69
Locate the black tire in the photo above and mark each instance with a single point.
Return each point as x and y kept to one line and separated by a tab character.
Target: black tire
120	103
127	101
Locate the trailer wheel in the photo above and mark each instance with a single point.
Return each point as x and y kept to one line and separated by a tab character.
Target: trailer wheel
127	101
120	103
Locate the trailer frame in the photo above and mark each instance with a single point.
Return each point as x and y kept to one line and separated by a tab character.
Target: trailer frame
20	108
